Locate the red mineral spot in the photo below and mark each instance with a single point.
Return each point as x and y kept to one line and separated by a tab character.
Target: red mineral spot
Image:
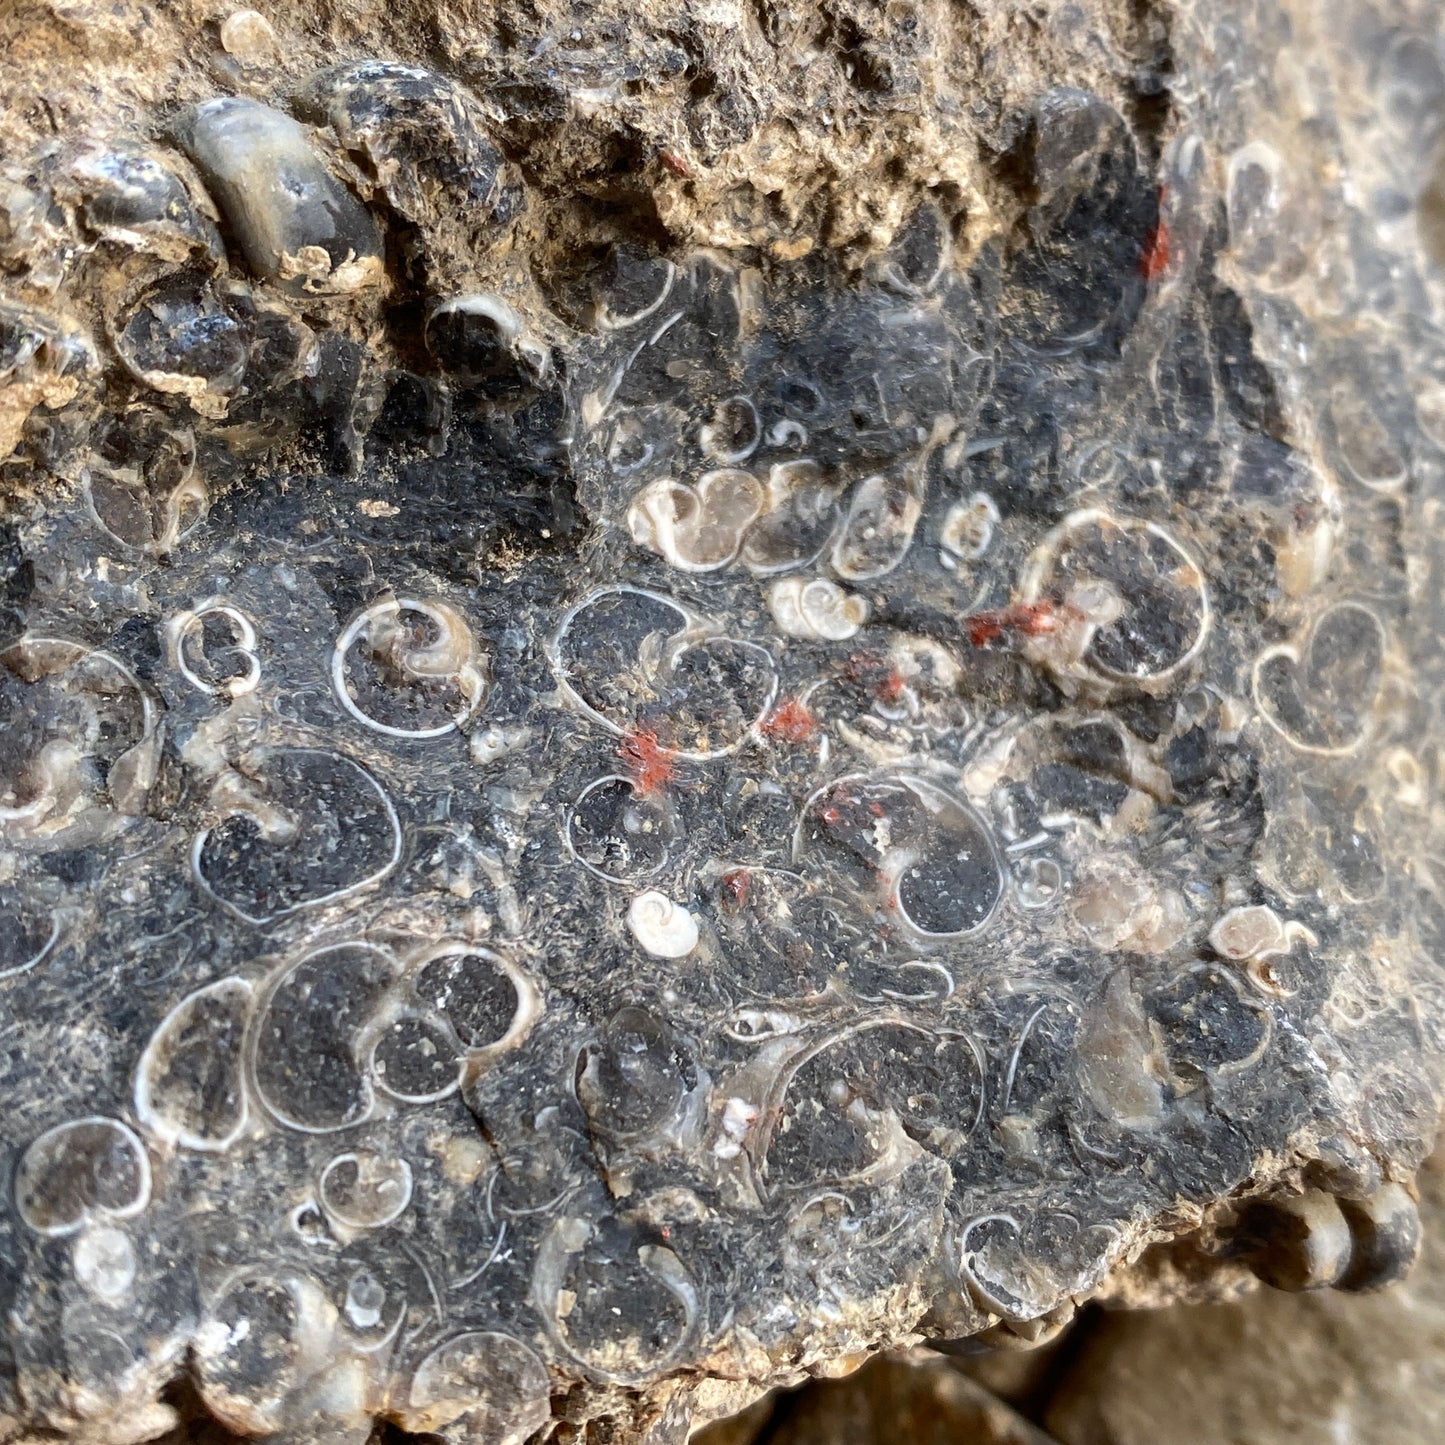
1026	619
737	884
1159	248
649	763
791	721
675	163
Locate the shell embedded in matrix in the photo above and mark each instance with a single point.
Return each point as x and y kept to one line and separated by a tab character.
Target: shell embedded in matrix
670	715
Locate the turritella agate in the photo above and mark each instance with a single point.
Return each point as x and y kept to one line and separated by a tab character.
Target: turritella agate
682	699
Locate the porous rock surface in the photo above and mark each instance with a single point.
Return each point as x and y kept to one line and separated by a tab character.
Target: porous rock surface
690	688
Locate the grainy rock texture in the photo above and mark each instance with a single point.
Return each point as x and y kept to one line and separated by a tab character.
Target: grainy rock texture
690	689
1273	1368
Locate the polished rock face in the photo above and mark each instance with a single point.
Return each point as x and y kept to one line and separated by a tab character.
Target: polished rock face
593	819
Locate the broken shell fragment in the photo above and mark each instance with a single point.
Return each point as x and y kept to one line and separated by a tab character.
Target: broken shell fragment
479	341
1303	1242
296	223
41	364
180	337
663	928
131	198
630	287
816	609
419	134
142	482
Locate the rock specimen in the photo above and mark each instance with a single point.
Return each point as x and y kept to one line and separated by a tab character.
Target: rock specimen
689	689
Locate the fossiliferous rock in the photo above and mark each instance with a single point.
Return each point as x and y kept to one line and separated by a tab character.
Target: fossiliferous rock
689	689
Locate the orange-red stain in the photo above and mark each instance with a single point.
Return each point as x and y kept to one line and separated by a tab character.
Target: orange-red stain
831	810
1159	248
1027	619
891	688
791	721
649	764
877	673
675	163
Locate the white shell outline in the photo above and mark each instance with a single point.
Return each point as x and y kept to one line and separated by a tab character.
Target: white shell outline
650	525
1293	654
180	626
1036	865
422	1394
1260	1009
354	629
688	622
150	1118
568	1238
771	1105
982	1293
352	1156
66	655
1036	568
530	1004
190	489
707	433
570	816
922	789
314	1326
1391	485
127	1211
873	492
389	812
784	478
378	1075
363	1068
